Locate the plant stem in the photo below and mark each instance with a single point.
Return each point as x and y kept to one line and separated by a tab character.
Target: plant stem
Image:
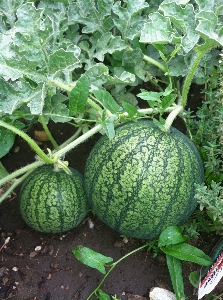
21	171
171	117
45	127
60	85
73	137
13	186
76	142
154	62
30	141
201	51
148	111
112	267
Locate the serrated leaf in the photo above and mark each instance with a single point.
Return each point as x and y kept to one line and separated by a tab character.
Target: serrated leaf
8	8
5	46
97	76
91	258
208	28
62	60
7	138
78	96
175	270
55	109
130	109
107	101
153	98
36	103
108	125
157	30
132	57
168	101
129	20
171	235
127	97
121	76
13	97
28	35
94	16
107	43
184	19
187	252
214	6
16	68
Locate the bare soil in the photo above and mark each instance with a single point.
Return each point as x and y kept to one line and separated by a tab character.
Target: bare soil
52	272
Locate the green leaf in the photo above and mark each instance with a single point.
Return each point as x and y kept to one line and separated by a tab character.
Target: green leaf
132	57
62	60
129	20
107	43
91	258
184	19
3	171
187	252
107	100
55	109
14	69
168	101
157	30
29	33
108	125
130	109
7	139
97	75
175	270
153	98
194	279
102	295
208	28
121	76
172	235
13	97
78	96
93	16
8	8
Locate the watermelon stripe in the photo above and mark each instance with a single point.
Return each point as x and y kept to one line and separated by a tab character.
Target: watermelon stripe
143	180
53	201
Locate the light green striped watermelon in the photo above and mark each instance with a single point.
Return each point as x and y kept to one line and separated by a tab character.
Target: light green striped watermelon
53	201
144	179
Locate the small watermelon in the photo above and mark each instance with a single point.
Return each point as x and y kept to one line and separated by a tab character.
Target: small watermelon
143	180
52	201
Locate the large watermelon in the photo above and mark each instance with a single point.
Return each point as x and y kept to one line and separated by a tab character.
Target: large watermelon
53	201
144	179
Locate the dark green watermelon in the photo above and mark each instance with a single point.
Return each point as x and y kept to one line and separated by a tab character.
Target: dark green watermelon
53	201
144	179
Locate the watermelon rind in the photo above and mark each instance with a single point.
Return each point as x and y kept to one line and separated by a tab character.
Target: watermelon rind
53	201
143	180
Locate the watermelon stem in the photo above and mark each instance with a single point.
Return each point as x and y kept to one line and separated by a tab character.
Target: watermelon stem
112	266
45	127
171	117
201	50
155	63
27	169
76	142
30	141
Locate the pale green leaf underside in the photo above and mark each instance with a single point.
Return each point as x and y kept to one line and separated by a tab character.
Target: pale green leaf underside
91	258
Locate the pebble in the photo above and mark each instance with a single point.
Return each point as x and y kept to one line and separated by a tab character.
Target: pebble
161	294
